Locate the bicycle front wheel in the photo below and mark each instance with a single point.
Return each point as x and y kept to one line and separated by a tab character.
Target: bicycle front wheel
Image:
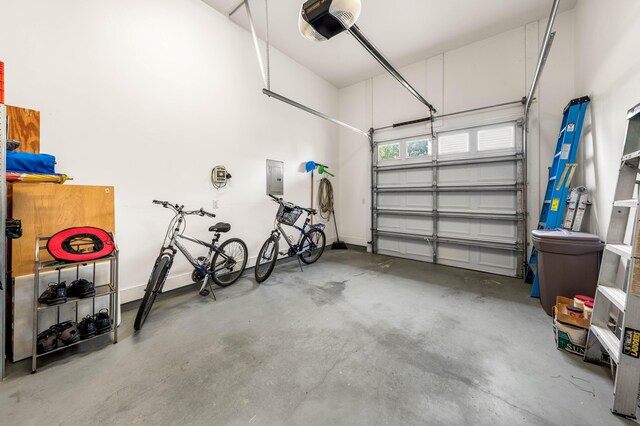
229	262
156	281
313	244
267	258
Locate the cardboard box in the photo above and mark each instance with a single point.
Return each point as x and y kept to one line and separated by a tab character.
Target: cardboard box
574	343
561	314
571	334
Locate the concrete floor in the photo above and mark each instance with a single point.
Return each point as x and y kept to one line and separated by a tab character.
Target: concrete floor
355	339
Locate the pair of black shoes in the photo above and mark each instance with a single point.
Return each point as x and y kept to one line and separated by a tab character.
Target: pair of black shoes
56	294
91	326
57	335
69	332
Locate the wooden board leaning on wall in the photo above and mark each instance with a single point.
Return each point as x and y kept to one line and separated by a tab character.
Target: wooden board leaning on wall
24	126
47	208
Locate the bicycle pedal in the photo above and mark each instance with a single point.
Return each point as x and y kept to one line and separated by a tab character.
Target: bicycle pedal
204	292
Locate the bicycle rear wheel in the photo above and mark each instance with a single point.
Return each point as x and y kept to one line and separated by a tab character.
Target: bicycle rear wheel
156	281
266	259
229	269
313	242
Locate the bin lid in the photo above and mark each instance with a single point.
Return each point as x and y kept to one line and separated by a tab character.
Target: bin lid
564	235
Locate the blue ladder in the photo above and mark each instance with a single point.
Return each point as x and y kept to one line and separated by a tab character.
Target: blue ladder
560	175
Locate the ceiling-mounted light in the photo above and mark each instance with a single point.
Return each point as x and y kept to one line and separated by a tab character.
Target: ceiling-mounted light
320	20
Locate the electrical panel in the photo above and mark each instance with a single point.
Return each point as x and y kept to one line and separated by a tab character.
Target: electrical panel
275	177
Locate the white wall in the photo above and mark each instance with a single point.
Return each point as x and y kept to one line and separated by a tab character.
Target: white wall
495	70
608	70
148	96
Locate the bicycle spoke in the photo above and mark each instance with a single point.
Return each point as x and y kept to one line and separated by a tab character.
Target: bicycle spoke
229	262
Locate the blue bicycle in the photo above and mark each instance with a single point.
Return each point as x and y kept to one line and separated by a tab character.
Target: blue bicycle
308	247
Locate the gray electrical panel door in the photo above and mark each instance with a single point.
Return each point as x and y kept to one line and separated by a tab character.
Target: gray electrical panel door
275	177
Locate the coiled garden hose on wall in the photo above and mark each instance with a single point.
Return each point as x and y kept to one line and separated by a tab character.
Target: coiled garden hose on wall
325	198
325	204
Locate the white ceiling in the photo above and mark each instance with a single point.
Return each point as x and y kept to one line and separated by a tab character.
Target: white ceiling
405	31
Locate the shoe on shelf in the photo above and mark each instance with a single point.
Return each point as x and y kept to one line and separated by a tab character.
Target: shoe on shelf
47	340
68	332
81	288
55	294
103	322
87	327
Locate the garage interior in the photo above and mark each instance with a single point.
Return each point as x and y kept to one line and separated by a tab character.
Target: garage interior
462	177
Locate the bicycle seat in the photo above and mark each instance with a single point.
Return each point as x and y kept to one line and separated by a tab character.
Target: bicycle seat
220	227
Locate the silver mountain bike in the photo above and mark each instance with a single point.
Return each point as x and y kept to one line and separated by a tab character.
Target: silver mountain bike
223	264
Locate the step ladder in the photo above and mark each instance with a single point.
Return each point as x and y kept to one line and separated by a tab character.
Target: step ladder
560	175
615	322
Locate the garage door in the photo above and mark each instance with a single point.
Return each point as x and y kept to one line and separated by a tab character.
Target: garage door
454	199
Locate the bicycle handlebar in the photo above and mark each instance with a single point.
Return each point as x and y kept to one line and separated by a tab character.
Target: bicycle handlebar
201	212
179	209
280	201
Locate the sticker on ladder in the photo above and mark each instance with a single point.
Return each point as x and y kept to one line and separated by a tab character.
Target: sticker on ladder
566	149
571	127
631	342
554	204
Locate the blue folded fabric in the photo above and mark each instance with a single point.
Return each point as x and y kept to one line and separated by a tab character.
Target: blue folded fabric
27	162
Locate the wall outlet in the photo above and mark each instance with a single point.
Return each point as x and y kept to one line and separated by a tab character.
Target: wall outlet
214	204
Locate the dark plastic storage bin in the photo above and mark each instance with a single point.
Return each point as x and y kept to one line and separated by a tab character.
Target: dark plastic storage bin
568	264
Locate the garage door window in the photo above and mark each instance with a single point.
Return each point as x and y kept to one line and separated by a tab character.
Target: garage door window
418	148
453	144
496	138
389	151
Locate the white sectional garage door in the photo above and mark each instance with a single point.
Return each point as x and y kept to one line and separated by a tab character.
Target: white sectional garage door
455	199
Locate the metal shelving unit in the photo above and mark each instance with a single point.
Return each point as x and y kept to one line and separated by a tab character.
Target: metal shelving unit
109	289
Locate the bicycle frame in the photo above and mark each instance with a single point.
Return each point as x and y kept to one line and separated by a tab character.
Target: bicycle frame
205	270
295	245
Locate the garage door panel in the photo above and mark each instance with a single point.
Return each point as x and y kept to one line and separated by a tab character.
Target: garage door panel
417	177
405	201
486	230
454	227
389	223
494	258
419	249
419	225
390	245
494	201
419	201
391	200
456	201
483	259
498	201
410	249
412	225
478	173
454	253
485	173
498	230
390	179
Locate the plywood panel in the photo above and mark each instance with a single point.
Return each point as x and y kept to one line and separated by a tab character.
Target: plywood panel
48	208
24	126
